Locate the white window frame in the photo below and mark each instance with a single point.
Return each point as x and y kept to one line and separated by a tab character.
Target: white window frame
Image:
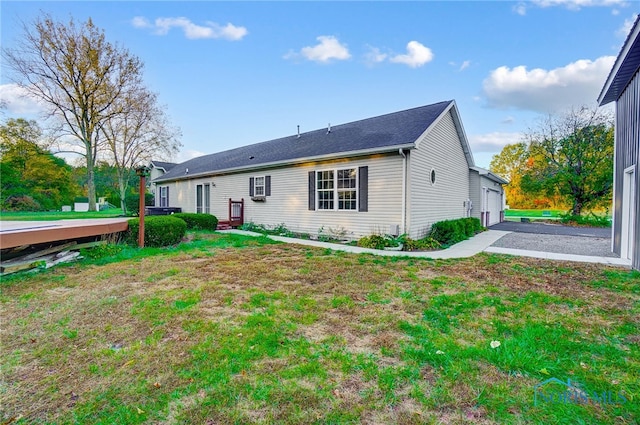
256	186
163	192
335	190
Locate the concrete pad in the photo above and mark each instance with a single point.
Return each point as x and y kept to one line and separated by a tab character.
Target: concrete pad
560	257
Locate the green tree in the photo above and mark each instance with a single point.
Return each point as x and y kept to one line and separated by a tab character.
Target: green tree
511	163
27	170
78	76
577	158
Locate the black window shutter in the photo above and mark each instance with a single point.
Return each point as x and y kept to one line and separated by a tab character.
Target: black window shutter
250	186
363	189
312	190
267	186
167	202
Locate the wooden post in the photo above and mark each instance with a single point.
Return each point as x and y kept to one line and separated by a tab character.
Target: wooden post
141	211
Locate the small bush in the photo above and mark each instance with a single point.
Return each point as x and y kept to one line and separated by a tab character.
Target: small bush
380	242
160	230
133	203
590	220
198	221
21	203
426	244
450	232
253	227
372	241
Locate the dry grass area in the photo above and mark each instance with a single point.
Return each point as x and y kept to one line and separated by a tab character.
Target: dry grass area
229	329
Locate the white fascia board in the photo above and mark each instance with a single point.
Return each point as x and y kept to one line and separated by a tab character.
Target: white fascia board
350	154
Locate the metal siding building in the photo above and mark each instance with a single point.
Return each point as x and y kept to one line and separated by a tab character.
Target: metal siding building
623	87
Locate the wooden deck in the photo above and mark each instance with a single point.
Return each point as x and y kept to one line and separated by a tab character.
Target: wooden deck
20	233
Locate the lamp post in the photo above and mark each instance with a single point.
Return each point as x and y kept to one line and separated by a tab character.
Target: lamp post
142	172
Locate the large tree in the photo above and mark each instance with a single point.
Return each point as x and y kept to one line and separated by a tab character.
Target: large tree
31	177
577	158
78	76
137	132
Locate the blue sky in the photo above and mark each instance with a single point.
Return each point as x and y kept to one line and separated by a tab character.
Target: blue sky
235	73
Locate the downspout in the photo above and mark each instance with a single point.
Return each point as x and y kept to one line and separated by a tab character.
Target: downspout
404	191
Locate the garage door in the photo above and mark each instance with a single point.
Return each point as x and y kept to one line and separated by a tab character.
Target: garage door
494	206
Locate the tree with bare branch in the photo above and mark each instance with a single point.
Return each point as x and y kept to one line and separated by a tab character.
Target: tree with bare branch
78	76
136	132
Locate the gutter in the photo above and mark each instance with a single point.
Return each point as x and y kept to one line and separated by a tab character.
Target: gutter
364	152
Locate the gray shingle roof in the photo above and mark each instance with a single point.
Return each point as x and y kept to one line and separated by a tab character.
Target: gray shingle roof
384	131
165	165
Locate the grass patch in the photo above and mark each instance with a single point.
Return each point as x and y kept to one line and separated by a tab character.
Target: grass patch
59	215
233	329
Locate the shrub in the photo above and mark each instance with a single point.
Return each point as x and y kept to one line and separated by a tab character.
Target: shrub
198	221
373	241
250	226
21	203
450	232
159	230
420	244
133	203
591	220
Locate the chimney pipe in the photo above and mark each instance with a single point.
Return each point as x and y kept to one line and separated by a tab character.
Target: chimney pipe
298	132
329	128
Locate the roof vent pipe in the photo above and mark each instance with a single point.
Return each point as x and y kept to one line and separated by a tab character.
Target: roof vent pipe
298	132
329	128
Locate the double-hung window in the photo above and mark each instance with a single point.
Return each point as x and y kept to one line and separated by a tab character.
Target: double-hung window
337	189
258	186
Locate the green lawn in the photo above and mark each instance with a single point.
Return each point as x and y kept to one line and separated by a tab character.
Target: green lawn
59	215
232	329
534	213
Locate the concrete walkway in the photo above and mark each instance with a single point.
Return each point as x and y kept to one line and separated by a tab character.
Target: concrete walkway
480	243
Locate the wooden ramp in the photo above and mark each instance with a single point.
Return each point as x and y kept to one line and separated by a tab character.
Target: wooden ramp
20	233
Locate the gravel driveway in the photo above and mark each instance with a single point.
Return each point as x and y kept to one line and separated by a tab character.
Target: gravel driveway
556	238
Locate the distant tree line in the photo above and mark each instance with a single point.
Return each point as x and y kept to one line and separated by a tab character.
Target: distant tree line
566	162
34	179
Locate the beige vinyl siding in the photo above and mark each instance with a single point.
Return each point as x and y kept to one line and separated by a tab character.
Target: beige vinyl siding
288	202
441	150
476	183
475	193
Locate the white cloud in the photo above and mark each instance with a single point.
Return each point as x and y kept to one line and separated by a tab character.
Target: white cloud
192	31
542	90
18	101
374	55
508	120
575	5
625	29
141	22
416	56
492	142
520	9
465	65
328	49
188	154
